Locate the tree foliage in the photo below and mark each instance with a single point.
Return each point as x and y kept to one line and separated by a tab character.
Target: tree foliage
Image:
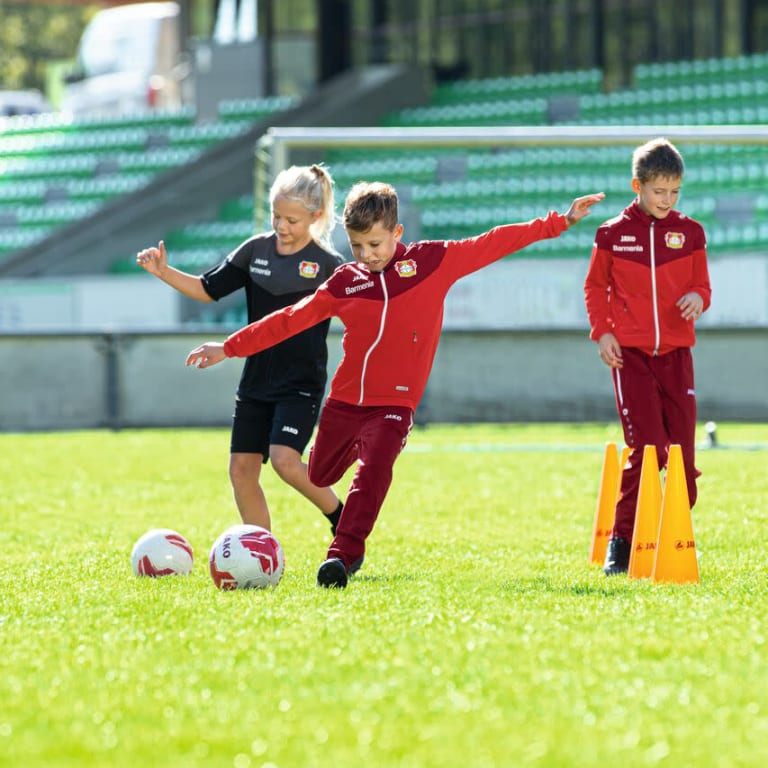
35	34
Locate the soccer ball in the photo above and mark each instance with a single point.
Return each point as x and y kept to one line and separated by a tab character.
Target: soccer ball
161	552
246	557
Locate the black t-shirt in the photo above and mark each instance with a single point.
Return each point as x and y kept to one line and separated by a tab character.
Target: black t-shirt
271	281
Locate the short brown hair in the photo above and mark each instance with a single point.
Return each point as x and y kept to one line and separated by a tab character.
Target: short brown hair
368	203
658	157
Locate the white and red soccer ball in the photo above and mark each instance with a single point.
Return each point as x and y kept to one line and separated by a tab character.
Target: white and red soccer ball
246	557
162	552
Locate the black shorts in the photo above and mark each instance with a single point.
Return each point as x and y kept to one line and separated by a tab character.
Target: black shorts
257	424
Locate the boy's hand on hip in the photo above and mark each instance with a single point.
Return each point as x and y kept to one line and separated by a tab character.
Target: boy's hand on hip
581	207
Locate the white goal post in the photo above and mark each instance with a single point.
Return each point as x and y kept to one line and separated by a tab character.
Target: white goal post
274	148
739	273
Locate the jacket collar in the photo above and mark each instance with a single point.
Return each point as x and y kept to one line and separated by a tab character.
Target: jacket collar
636	213
400	250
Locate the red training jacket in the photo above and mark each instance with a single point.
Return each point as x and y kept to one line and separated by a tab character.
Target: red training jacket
392	319
640	267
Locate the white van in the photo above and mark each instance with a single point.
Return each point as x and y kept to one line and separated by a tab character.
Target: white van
129	59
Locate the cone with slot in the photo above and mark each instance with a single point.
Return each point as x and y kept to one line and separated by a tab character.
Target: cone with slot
625	451
606	504
646	530
675	560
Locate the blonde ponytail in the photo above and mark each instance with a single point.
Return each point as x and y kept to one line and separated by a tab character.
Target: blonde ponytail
312	186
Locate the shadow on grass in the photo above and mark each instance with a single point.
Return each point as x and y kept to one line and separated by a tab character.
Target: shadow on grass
394	578
614	586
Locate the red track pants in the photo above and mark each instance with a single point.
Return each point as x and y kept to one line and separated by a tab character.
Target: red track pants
372	436
656	403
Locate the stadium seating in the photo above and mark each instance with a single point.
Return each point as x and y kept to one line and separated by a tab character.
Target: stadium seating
54	170
253	110
455	198
519	87
728	69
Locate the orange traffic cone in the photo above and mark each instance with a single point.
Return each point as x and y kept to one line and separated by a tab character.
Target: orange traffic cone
646	530
606	505
675	560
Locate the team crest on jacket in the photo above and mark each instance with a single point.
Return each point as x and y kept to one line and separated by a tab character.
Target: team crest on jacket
674	239
406	268
309	268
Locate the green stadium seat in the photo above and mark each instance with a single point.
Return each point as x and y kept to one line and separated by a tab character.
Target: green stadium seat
253	110
205	135
77	166
516	112
153	161
22	192
396	169
55	214
15	239
223	234
518	87
105	187
237	209
761	208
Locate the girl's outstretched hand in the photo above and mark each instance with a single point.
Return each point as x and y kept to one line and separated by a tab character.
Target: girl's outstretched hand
581	207
206	355
154	260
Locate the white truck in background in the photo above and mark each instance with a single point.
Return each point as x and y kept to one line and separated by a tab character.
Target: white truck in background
129	59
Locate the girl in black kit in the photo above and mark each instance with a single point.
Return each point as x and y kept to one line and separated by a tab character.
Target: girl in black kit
280	391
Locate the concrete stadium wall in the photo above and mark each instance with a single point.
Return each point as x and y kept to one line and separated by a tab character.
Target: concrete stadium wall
94	380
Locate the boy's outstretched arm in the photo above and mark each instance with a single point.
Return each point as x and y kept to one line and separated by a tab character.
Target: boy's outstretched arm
206	355
581	207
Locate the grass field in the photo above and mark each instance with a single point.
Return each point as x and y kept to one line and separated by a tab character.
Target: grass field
476	634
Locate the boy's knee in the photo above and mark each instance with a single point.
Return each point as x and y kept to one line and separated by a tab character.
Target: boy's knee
319	478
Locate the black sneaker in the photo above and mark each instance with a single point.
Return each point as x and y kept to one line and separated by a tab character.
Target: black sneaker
332	573
616	557
356	566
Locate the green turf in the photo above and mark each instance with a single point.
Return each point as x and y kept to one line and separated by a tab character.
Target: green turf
476	634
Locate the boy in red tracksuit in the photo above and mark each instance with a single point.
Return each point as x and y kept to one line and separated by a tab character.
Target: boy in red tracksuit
646	285
390	301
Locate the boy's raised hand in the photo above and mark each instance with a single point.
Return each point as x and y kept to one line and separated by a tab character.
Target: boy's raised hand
581	207
206	355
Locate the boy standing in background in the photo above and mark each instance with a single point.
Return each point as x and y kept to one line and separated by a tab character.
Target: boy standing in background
647	284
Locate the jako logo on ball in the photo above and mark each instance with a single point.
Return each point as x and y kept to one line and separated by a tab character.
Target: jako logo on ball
246	557
161	552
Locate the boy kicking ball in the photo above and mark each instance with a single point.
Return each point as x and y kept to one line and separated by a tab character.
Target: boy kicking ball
390	300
